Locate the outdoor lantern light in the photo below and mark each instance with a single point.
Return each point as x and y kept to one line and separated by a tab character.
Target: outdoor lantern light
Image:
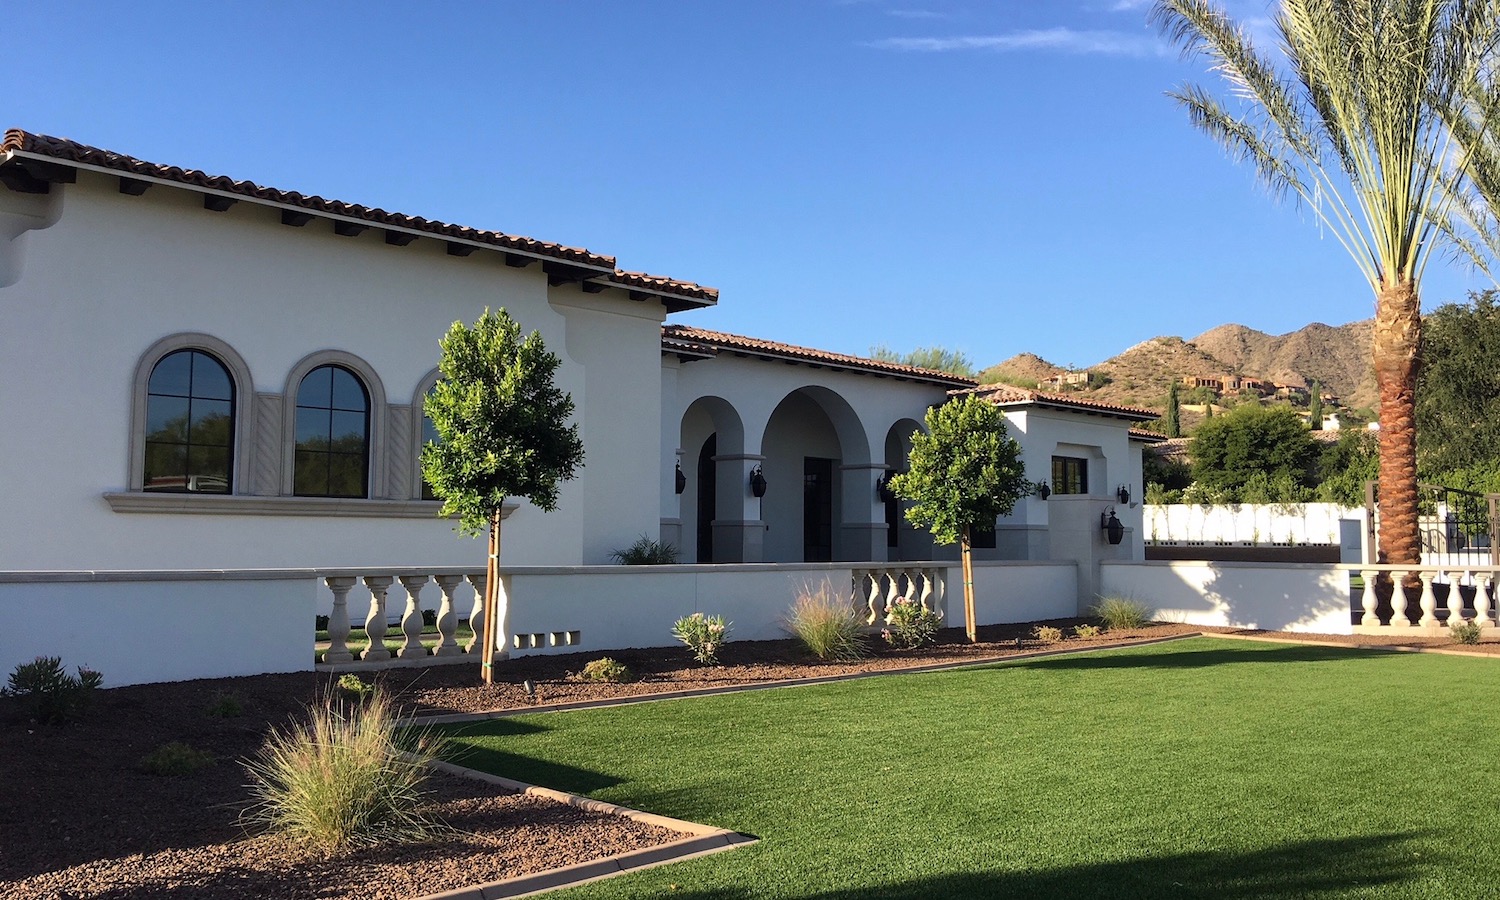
883	488
1124	494
1043	491
757	482
1112	526
681	478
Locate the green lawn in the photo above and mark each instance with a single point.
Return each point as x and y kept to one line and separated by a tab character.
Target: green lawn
1197	769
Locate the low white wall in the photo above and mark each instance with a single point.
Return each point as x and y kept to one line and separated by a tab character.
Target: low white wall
1007	592
138	627
1282	597
1258	523
613	607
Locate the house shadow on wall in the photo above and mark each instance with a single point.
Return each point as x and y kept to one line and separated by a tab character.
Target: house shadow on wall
1306	869
1274	599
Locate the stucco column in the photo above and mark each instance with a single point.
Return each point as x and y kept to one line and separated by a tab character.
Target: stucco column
739	530
671	520
863	536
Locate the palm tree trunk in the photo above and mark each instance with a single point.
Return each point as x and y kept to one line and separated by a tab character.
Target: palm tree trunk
1398	332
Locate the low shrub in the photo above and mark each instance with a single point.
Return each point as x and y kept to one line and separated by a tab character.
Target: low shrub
1086	631
355	688
909	624
346	778
1466	632
1047	634
1122	612
646	551
607	669
429	617
226	706
704	635
175	758
829	627
47	693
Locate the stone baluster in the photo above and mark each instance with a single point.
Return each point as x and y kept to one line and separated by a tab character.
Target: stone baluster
939	580
476	618
1398	600
1455	596
1428	601
1367	598
338	620
375	621
926	596
1482	598
411	618
872	594
447	621
892	591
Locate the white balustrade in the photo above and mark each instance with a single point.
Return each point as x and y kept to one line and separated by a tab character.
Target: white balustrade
447	620
411	618
375	621
880	588
338	620
476	618
1482	578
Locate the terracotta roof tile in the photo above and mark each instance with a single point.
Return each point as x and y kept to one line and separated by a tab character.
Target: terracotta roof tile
1004	395
675	335
61	149
1149	437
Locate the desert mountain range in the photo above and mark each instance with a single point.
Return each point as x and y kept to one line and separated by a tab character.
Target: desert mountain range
1336	356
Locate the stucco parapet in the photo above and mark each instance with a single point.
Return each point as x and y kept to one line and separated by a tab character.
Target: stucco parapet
1240	564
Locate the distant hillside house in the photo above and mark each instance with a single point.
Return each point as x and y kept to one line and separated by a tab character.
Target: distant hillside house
1067	380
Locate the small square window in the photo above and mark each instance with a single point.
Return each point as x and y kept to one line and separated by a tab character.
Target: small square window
1070	475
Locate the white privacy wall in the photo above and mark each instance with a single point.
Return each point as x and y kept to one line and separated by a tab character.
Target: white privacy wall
1280	597
115	274
144	627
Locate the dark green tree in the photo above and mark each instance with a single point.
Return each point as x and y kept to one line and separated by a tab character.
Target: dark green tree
1458	390
1346	465
1250	439
965	471
938	359
1174	412
1315	407
503	432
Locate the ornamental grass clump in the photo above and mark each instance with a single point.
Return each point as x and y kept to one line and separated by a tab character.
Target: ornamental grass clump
646	551
829	627
347	778
1122	612
910	625
704	635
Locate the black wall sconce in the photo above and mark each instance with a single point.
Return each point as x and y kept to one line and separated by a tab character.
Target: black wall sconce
1043	491
883	488
681	479
1113	528
1124	494
757	482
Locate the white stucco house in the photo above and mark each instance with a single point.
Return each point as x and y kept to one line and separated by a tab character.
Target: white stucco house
207	374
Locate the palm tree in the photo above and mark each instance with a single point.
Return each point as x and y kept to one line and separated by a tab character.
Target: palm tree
1350	120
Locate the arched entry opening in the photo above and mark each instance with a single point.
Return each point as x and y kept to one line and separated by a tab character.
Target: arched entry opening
820	501
711	505
903	540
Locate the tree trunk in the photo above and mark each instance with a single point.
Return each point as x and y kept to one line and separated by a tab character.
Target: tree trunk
1398	332
968	566
487	635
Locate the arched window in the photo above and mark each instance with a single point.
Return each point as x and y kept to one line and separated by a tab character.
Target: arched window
332	456
429	433
189	434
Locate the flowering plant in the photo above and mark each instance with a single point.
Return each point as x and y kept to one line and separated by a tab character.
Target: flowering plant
703	635
909	624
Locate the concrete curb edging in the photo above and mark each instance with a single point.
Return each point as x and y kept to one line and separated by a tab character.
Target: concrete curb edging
460	718
702	840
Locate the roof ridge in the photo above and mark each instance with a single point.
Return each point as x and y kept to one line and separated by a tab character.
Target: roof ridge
810	353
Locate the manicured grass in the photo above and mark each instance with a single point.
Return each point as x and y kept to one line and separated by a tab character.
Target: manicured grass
1196	769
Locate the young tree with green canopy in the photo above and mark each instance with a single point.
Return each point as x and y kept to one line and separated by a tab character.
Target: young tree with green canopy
965	471
1351	120
503	432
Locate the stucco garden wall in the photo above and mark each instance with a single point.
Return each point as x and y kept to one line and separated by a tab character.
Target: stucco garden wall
1280	597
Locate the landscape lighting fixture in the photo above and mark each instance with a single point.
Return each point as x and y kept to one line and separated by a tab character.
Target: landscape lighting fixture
681	478
883	488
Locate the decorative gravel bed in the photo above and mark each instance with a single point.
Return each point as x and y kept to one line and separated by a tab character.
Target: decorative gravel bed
78	818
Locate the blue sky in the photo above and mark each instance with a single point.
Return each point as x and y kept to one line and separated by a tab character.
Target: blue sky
995	177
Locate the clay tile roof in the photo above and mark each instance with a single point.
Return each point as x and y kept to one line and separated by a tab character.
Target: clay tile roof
66	151
677	336
1008	395
1149	437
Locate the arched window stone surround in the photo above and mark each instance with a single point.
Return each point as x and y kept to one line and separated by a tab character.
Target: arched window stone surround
412	441
244	392
376	487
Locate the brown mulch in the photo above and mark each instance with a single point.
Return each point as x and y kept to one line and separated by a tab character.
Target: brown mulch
79	819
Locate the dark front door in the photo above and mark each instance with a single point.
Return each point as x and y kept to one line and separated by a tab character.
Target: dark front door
708	498
817	509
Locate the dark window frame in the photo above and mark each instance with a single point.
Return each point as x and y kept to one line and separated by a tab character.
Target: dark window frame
301	453
1070	475
201	482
